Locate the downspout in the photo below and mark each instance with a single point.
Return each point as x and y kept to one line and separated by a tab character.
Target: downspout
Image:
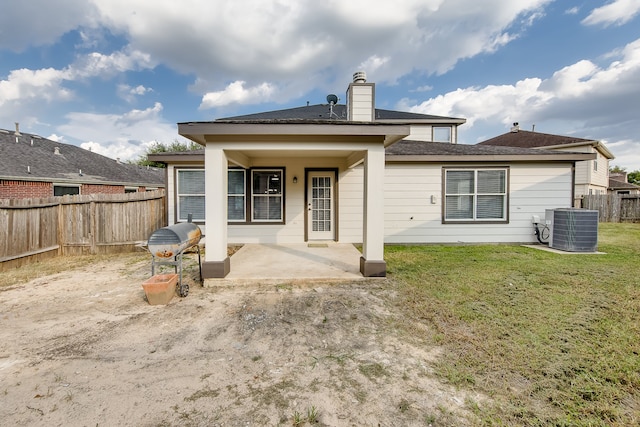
573	184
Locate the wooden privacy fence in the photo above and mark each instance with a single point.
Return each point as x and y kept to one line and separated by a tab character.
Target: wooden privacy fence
614	207
75	225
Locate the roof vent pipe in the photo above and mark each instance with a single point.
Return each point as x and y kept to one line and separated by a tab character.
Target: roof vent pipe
56	150
18	129
359	77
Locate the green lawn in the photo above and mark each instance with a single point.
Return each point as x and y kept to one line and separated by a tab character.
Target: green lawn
551	339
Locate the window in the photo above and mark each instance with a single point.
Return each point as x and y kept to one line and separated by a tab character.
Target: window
442	134
236	200
595	163
475	195
266	195
190	191
66	190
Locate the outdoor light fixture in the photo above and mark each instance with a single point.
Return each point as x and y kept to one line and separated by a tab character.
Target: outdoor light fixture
295	179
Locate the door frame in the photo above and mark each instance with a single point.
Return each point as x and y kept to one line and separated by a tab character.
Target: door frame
335	193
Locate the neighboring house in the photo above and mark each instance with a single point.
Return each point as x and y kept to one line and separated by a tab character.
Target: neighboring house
618	184
591	177
356	174
32	166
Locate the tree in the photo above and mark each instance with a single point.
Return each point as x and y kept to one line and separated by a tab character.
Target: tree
617	169
634	177
159	147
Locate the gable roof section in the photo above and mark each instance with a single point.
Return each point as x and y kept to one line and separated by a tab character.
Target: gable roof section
28	157
527	139
322	112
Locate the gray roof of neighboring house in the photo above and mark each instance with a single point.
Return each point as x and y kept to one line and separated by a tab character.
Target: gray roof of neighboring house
620	184
29	157
527	139
338	112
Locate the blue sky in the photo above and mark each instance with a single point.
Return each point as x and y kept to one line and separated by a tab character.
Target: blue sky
116	75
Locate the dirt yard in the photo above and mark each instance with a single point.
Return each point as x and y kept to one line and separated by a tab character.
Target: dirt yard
84	348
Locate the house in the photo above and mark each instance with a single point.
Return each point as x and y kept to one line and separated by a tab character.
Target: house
591	177
618	184
33	166
353	173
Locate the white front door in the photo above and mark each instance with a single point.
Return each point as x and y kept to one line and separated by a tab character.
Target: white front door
321	205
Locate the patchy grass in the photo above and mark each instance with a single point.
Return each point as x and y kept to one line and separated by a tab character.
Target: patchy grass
553	339
57	265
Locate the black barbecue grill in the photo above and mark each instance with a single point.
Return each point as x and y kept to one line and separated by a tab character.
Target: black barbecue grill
167	245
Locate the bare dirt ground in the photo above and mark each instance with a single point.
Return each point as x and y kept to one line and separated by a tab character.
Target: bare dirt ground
84	348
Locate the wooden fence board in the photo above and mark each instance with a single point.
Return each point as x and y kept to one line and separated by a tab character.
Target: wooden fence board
613	207
75	225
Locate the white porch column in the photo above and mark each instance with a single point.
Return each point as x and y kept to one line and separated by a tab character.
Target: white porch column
372	262
217	263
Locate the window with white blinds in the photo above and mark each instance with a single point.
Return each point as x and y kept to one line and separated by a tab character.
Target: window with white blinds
236	199
266	195
475	195
190	191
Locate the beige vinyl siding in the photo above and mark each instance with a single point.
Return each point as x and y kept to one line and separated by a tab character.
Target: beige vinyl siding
350	206
420	133
292	231
411	218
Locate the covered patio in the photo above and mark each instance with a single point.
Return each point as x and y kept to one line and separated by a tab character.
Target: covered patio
283	263
342	146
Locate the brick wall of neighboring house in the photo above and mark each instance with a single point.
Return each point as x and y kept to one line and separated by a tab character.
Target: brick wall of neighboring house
25	189
101	189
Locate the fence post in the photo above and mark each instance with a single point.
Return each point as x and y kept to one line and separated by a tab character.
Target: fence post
60	228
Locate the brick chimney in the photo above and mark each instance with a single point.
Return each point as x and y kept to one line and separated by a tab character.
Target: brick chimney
361	99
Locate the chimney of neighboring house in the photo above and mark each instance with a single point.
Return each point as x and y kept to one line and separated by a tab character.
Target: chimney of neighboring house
56	150
361	99
515	128
18	129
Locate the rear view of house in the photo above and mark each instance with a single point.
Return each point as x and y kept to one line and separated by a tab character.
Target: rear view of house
352	173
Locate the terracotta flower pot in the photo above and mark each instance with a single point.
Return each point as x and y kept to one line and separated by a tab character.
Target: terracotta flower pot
160	288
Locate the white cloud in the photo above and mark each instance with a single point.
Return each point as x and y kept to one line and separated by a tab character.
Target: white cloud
129	93
236	93
38	22
123	136
573	11
582	99
618	12
259	41
25	92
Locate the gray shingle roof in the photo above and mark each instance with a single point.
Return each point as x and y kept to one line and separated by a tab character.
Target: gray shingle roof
420	148
527	139
324	112
31	157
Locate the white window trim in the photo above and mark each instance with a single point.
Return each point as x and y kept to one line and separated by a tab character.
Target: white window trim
505	200
179	194
281	194
62	184
244	196
433	134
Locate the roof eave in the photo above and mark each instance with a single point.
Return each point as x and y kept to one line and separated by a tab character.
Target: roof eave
200	131
521	158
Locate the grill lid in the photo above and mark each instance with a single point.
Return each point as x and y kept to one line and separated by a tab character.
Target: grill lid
170	241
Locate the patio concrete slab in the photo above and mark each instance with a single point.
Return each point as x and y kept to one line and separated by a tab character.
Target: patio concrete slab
267	263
